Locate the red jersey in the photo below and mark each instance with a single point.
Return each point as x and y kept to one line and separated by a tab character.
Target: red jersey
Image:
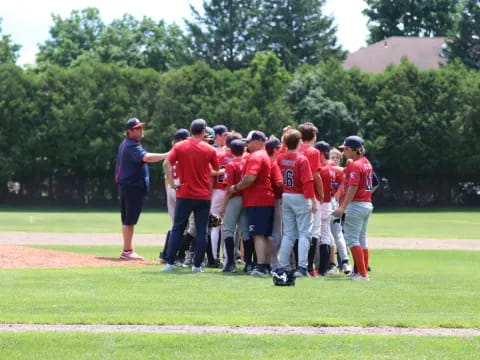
195	157
297	176
260	193
328	180
313	156
360	173
223	157
276	178
233	173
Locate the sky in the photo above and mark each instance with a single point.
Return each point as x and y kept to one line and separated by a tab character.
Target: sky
28	21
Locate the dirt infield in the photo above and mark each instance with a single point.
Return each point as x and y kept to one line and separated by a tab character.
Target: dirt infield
18	257
241	330
14	256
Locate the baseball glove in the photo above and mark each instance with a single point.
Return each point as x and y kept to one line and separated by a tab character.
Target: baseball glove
214	221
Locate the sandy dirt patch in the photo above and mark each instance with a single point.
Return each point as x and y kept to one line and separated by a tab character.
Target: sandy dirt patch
18	257
241	330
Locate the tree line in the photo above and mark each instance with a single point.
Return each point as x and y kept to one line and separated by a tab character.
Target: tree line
226	34
61	127
250	64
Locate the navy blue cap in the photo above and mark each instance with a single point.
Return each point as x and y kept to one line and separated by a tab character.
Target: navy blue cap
181	134
197	126
354	142
273	143
237	145
220	129
255	135
133	123
322	146
209	133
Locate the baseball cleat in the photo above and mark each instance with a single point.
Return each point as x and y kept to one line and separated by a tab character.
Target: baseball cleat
301	272
168	267
229	268
130	255
346	268
197	269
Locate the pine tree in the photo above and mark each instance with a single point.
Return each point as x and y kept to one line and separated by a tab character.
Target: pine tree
224	35
409	18
298	32
464	43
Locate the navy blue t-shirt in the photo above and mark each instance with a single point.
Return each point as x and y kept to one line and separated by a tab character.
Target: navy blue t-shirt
130	168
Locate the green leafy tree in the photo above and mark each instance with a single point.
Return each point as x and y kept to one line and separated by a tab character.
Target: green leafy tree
298	32
310	103
464	42
8	50
71	37
225	36
126	42
409	18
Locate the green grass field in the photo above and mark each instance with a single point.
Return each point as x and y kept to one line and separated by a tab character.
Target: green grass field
76	346
408	288
461	223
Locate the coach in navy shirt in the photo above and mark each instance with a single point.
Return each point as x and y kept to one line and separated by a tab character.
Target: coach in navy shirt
133	180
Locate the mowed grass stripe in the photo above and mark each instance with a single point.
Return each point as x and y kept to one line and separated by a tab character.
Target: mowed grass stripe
415	223
79	346
408	289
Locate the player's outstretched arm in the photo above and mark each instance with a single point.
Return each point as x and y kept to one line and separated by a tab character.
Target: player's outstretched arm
154	157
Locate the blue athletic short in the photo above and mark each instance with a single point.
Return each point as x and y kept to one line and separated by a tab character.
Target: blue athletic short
260	220
131	203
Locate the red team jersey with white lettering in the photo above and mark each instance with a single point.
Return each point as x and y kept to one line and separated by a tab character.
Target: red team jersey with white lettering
260	193
360	172
297	176
313	156
233	173
195	159
223	157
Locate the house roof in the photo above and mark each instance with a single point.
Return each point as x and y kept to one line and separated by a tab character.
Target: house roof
422	51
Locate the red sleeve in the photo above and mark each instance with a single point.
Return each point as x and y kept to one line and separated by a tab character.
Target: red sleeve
229	178
276	174
308	191
254	165
315	164
306	179
214	160
353	175
305	172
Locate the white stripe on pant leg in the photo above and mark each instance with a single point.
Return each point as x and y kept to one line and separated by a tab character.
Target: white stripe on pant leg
290	232
171	200
316	229
337	234
325	212
217	200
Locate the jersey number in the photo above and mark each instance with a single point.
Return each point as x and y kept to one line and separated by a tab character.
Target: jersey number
220	177
288	178
368	182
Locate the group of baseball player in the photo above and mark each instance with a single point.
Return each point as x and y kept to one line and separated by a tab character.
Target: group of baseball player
277	206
